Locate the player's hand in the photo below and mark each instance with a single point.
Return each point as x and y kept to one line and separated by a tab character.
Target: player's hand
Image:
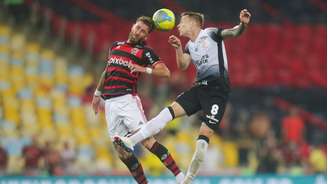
174	41
245	16
136	68
97	104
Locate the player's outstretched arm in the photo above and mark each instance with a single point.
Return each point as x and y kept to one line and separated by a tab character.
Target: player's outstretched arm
245	17
159	70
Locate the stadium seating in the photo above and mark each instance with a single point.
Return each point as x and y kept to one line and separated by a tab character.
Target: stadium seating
41	95
281	49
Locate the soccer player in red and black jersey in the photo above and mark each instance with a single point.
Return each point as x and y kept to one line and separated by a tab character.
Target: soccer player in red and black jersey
118	87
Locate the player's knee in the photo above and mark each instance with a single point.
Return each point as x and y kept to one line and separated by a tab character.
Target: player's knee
206	131
149	142
122	154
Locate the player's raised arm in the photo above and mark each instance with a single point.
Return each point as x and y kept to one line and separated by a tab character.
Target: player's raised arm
245	17
183	59
159	70
155	65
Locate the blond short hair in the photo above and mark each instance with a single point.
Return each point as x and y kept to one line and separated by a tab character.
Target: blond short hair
198	17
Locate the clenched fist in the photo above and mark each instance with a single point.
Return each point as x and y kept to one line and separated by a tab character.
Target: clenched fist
245	16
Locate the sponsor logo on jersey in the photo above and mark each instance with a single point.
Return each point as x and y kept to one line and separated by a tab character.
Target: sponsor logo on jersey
203	60
149	57
119	61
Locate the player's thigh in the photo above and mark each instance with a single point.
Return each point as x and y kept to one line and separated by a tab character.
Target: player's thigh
186	103
114	120
133	114
213	103
178	109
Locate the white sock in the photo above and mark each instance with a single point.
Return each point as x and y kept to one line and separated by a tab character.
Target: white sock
152	127
179	178
197	159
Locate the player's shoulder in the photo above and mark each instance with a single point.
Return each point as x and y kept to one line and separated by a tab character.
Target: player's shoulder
188	44
214	33
115	44
148	49
210	30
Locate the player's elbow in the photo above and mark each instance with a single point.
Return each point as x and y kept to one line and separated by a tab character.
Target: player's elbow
167	73
182	67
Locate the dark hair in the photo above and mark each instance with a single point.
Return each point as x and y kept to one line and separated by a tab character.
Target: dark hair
148	21
199	17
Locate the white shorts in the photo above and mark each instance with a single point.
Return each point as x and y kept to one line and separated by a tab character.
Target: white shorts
124	114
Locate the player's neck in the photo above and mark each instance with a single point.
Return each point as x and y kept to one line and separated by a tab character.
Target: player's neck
194	34
129	41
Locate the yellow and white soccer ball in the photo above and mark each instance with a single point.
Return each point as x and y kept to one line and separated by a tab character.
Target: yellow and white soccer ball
164	19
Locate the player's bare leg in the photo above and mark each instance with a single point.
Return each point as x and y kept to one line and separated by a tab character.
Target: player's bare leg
122	146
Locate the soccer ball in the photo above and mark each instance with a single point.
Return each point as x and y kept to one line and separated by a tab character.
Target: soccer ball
164	19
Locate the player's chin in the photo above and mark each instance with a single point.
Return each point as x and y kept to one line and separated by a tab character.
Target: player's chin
134	40
181	33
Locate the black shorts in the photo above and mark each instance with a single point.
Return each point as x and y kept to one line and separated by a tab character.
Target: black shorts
211	97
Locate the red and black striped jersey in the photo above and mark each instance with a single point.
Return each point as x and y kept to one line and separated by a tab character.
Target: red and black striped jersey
118	78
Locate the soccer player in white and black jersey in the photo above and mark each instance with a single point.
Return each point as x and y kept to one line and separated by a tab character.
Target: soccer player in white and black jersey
205	49
118	86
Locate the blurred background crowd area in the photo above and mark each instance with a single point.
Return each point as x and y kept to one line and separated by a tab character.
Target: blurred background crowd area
53	52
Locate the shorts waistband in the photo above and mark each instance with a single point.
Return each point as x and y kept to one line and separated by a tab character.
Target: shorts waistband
207	81
116	97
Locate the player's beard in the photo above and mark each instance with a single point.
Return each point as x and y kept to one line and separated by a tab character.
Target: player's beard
133	39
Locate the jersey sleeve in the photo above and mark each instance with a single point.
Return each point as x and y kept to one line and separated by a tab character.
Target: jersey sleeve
215	33
114	44
150	57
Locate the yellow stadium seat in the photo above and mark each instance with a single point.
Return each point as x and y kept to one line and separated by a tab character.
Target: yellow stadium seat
4	30
48	54
11	105
60	72
230	151
18	41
